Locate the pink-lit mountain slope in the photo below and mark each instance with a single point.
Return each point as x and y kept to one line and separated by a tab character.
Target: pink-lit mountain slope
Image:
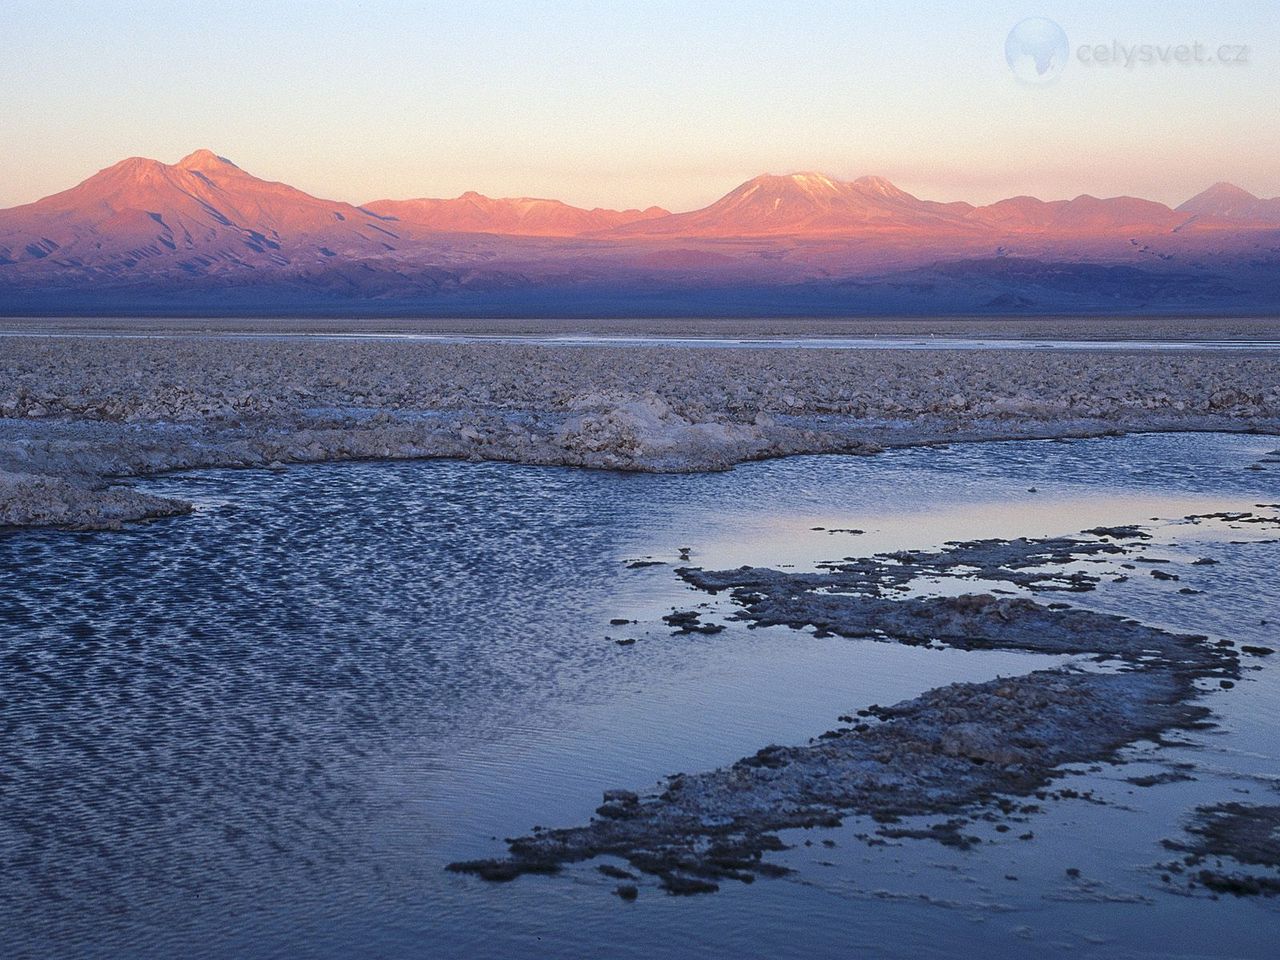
1229	205
815	205
200	215
804	204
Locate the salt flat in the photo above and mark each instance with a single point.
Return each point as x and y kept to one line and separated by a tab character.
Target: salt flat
83	408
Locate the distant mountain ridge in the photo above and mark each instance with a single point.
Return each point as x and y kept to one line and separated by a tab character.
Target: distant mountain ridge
806	204
512	216
800	204
178	233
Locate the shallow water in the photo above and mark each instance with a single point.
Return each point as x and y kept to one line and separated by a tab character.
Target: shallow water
263	730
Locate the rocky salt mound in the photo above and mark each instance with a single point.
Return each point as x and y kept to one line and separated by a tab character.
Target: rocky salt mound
34	499
646	433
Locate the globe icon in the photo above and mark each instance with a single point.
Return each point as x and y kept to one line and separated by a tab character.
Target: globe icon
1036	50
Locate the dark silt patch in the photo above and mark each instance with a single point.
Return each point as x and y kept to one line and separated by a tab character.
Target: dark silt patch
1247	834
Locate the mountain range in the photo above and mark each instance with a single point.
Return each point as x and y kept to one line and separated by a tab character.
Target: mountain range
202	235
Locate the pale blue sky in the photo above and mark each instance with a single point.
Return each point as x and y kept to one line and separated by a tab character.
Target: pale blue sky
626	104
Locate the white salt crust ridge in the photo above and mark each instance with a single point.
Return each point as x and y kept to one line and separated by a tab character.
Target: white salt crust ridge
79	414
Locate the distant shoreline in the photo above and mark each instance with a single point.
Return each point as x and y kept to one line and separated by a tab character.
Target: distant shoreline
1053	326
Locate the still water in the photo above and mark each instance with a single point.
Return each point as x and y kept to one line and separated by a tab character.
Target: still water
262	731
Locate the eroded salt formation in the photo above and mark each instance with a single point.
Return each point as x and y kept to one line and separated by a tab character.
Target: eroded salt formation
944	752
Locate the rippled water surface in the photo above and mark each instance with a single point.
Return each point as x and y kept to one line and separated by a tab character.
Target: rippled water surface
263	730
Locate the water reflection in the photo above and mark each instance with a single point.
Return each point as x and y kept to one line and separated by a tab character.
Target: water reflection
261	730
